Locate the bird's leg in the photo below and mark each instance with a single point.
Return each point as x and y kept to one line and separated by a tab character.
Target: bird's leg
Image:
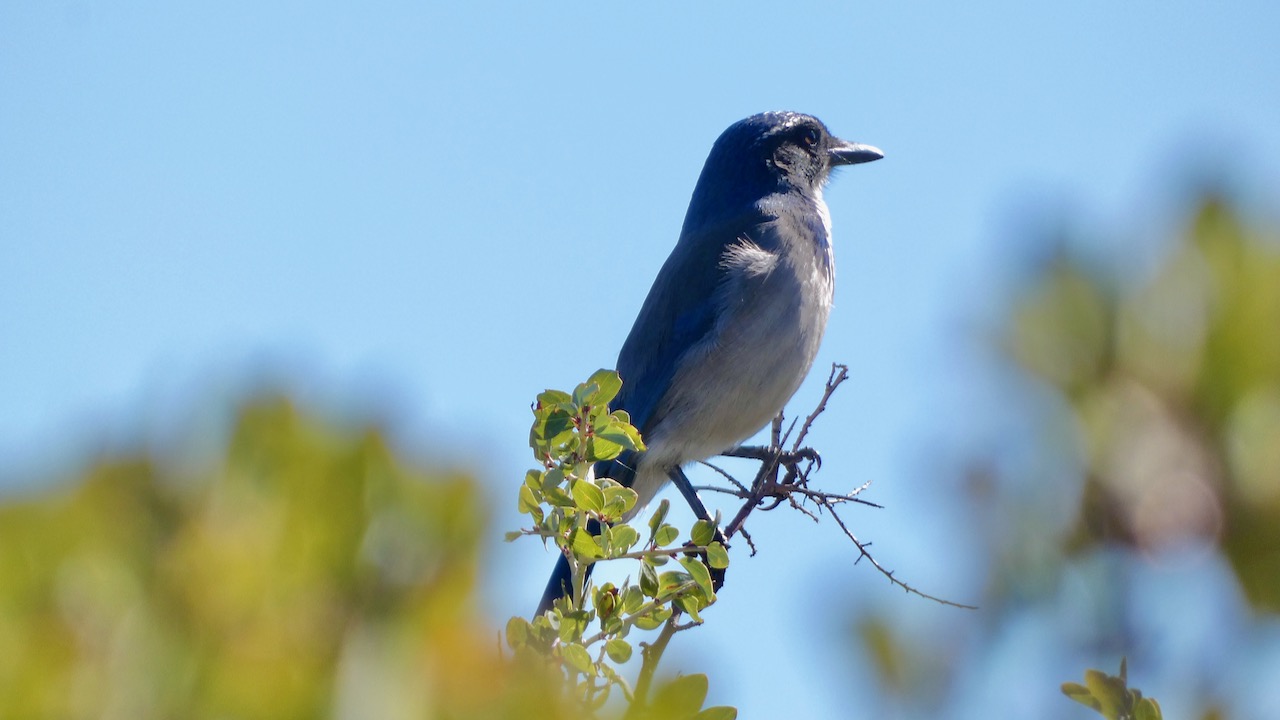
681	481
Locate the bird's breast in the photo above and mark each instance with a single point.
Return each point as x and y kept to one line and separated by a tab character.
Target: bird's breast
771	321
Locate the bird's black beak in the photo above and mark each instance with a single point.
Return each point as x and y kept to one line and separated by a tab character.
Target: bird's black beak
848	153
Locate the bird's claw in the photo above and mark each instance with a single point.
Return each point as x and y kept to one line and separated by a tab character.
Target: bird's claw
810	455
787	459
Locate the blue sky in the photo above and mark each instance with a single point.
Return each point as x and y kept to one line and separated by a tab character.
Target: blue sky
378	204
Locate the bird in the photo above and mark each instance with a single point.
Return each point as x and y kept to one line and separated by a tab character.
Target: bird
737	312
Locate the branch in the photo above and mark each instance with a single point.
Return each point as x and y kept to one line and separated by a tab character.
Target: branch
838	374
651	654
766	484
799	462
864	553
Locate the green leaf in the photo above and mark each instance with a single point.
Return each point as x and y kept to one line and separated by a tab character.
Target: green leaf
570	629
719	712
608	383
623	425
618	499
1109	691
552	478
512	536
623	436
654	620
584	392
552	397
517	632
666	535
587	496
659	516
1111	697
602	422
648	578
1147	709
703	533
585	546
618	650
682	697
605	538
613	626
578	658
602	447
1081	694
632	599
558	497
700	575
557	522
623	537
717	556
605	600
689	605
554	430
671	582
529	500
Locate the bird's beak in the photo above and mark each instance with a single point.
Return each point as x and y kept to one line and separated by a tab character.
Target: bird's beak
848	153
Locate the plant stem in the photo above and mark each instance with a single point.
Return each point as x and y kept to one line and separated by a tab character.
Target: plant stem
652	653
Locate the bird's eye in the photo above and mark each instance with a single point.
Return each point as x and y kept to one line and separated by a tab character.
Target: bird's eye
810	137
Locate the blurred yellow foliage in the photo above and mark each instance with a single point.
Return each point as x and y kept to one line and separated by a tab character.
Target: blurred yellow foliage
310	573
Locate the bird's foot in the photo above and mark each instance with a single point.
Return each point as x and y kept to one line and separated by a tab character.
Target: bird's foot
789	460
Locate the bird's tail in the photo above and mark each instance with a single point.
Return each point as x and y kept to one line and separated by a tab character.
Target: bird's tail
561	581
622	470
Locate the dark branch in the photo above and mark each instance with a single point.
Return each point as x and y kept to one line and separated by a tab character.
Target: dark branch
767	491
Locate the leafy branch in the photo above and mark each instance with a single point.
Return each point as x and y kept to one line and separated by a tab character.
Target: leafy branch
585	634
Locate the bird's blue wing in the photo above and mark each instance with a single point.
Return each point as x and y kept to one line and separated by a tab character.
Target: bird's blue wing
679	313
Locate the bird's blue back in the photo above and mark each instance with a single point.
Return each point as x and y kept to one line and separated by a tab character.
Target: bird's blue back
734	318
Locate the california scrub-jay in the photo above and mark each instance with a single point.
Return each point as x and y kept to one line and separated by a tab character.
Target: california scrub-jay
734	319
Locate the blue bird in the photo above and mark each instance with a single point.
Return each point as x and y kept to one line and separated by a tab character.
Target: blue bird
734	319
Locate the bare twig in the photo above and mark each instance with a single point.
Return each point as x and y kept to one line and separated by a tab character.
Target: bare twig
734	481
863	553
839	373
767	491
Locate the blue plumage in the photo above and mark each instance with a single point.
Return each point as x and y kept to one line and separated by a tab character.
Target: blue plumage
735	316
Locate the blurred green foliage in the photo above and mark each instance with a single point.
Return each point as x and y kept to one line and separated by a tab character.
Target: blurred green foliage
1111	696
1175	383
309	573
1147	439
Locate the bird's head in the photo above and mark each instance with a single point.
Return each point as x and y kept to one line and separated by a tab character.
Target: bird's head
769	153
